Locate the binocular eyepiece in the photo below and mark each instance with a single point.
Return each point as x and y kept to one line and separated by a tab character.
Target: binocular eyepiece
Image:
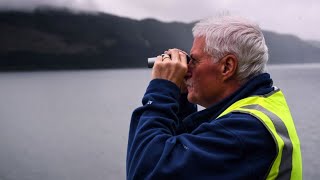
153	59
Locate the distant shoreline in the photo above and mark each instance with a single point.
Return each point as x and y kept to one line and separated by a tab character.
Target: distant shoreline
58	40
271	66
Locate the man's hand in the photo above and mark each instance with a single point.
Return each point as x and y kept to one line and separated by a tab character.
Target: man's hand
173	69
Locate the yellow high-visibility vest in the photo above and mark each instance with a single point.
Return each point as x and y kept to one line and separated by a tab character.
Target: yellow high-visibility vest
272	110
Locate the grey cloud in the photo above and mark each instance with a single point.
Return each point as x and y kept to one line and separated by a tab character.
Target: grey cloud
32	4
287	16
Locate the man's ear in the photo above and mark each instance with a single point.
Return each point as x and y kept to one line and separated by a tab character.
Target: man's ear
229	66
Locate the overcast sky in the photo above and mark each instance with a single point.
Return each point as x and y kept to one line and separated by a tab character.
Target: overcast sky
299	17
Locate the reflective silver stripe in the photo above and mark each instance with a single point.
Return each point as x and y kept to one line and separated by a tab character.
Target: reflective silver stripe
285	167
271	93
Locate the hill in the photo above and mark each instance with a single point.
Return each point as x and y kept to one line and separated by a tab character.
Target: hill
61	39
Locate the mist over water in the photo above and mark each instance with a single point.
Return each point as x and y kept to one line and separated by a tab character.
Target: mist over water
73	125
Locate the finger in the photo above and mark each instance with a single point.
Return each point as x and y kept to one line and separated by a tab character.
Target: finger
156	70
183	57
165	57
167	53
158	60
175	54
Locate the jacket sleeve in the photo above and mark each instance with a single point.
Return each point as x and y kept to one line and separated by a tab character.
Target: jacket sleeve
156	151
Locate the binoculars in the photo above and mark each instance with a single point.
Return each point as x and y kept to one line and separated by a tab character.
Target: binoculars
151	60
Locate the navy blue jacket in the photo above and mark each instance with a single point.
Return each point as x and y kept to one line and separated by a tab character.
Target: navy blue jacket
168	139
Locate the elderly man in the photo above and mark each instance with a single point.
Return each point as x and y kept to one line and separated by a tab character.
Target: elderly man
245	131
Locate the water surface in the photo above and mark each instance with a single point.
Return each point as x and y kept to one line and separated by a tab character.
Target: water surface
73	125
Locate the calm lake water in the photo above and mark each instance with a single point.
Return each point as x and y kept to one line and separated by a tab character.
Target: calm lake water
73	125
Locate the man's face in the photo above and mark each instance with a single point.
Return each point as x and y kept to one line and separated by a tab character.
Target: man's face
204	79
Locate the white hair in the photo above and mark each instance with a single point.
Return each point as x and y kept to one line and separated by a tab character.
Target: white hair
238	36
